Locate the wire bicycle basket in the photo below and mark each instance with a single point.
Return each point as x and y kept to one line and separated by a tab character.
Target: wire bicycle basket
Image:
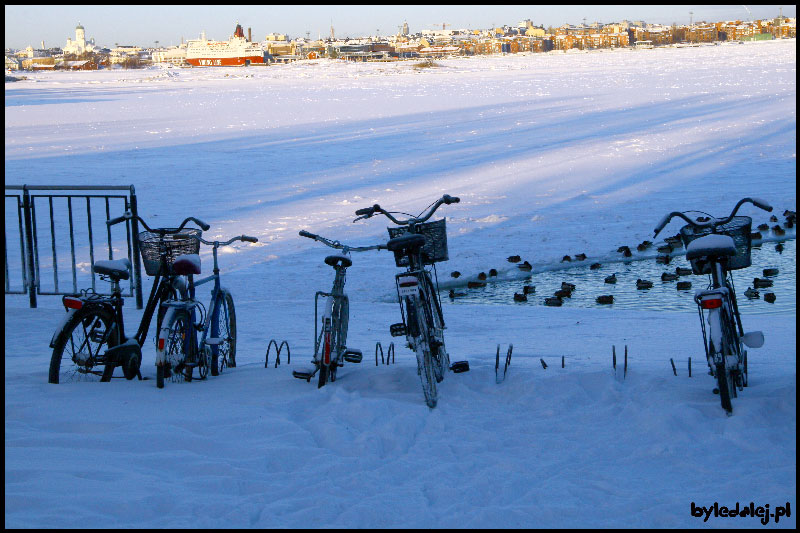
435	248
151	246
738	229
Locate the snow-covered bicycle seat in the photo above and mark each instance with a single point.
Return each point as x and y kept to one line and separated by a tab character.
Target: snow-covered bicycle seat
115	268
711	246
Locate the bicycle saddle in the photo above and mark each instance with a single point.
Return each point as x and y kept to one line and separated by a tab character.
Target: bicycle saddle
116	269
410	241
711	246
186	264
337	259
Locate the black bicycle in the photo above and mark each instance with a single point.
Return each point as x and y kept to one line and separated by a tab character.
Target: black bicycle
717	246
417	246
90	342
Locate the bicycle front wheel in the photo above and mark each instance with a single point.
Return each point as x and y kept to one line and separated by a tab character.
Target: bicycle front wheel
224	354
79	350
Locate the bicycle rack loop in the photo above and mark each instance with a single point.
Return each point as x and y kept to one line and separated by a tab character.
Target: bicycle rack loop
278	348
497	377
389	353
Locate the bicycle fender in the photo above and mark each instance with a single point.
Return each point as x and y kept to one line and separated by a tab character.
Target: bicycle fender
161	340
61	326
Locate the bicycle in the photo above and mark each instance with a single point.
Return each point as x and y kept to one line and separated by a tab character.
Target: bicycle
178	350
90	341
417	246
330	340
716	247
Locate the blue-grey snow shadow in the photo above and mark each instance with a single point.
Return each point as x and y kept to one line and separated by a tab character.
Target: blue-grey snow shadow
16	97
371	153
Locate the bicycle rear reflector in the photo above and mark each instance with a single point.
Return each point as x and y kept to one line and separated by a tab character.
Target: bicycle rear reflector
161	344
711	303
72	303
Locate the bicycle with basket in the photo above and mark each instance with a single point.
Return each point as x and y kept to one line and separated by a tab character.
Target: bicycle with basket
90	342
716	247
417	246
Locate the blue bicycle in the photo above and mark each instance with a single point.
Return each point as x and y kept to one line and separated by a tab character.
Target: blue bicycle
179	350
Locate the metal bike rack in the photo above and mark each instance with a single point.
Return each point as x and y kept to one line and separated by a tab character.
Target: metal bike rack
614	362
389	353
497	377
278	348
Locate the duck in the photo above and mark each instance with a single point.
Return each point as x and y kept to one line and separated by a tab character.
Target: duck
568	286
455	274
612	278
769	297
520	297
605	299
622	249
482	276
779	247
669	276
529	289
666	249
788	213
563	293
475	284
773	218
627	252
751	293
777	230
594	266
525	266
514	259
566	258
581	257
684	285
760	283
756	235
789	223
771	271
641	247
493	272
663	259
763	227
644	284
683	271
553	302
454	294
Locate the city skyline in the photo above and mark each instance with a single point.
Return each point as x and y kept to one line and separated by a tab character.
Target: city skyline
142	26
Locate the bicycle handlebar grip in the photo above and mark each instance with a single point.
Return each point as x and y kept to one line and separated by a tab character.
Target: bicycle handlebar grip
247	238
450	199
758	202
304	233
664	221
202	224
119	219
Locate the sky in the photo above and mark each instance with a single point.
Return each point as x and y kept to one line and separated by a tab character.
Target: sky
143	25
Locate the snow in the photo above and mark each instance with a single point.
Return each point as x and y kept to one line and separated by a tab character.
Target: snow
551	154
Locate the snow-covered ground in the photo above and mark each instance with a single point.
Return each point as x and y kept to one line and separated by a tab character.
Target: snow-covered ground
551	154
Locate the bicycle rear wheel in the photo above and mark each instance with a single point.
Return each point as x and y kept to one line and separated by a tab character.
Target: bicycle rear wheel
79	350
422	347
177	349
224	354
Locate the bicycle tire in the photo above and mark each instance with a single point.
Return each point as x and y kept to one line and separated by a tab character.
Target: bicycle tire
433	322
423	351
723	384
340	325
78	337
224	353
175	347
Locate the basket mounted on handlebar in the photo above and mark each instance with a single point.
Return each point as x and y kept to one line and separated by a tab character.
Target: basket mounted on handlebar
435	248
738	229
151	246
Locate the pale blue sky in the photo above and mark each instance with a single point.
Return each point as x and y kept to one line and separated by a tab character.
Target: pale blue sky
143	25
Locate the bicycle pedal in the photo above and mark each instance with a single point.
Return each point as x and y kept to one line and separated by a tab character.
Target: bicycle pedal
353	356
459	367
397	330
305	373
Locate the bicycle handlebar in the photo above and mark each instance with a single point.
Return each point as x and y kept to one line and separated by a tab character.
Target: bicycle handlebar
339	246
712	222
368	212
163	231
245	238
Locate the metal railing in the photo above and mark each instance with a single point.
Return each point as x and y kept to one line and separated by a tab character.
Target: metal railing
67	211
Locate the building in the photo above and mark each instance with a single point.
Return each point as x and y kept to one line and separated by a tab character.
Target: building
175	55
80	45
